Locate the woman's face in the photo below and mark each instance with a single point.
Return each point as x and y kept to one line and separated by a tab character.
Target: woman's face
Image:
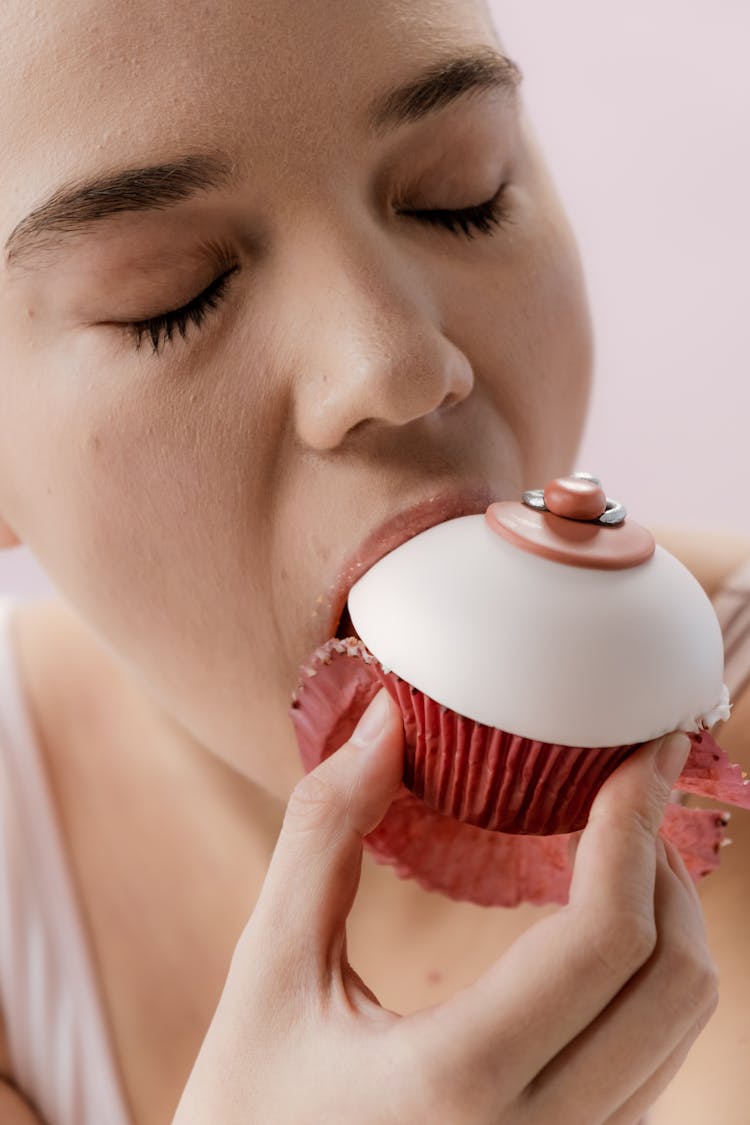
196	503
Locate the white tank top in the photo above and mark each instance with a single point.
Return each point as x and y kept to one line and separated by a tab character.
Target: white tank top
59	1042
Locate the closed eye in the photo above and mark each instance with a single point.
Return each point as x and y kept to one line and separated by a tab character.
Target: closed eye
481	218
162	326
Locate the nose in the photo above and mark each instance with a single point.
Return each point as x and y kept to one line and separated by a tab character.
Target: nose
366	342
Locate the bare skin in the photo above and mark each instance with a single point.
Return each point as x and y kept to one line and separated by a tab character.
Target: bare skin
172	513
413	949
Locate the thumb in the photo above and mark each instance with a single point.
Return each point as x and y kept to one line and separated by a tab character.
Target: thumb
315	868
616	854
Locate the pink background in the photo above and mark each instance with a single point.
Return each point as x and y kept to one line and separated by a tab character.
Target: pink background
643	111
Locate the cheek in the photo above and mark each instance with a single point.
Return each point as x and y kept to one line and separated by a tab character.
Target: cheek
148	516
158	489
558	307
527	331
556	357
142	501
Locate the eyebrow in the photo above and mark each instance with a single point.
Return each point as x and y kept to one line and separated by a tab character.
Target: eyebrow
74	209
442	83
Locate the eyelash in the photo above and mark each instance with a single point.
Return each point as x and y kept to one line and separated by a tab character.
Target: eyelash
195	311
481	217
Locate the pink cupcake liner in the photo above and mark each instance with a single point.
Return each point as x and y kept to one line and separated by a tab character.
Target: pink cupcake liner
495	780
470	863
461	768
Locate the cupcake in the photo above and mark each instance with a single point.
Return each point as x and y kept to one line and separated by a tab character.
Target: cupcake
530	651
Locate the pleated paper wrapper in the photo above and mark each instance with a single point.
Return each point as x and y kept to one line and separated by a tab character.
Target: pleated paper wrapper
485	815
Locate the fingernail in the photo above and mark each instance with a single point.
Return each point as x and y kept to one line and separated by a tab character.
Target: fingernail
672	755
370	726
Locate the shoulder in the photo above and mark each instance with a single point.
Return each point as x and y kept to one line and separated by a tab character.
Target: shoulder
711	556
32	625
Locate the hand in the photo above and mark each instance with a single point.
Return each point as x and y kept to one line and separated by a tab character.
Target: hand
584	1020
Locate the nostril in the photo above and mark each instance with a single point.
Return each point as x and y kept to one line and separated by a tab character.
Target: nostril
450	400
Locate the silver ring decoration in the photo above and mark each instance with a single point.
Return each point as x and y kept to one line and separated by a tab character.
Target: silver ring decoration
615	512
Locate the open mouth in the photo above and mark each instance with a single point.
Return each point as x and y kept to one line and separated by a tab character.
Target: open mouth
436	508
345	628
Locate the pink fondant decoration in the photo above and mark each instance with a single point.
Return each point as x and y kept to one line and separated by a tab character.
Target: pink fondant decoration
575	542
575	499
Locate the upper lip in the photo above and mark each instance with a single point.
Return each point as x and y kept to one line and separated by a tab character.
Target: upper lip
436	508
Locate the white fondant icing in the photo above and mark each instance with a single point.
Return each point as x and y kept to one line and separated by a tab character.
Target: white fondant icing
544	650
721	711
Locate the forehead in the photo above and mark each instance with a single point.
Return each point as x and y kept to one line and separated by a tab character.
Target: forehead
84	83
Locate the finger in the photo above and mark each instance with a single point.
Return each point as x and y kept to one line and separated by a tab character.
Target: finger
314	872
618	842
677	863
646	1022
564	971
638	1105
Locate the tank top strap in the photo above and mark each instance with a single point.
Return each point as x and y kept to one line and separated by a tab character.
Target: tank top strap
57	1035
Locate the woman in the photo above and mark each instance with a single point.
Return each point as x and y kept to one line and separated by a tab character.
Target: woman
380	301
